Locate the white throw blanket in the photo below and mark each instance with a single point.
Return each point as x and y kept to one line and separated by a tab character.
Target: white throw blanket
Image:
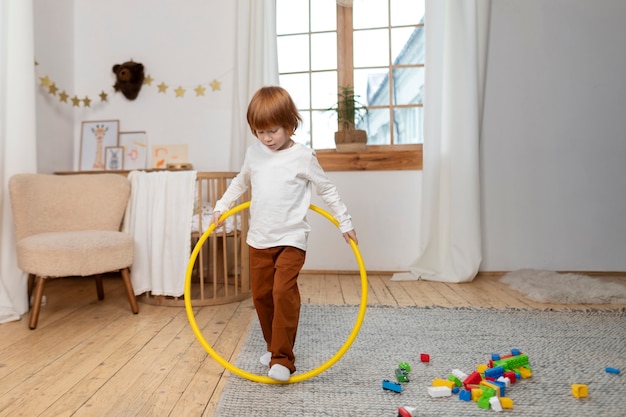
158	217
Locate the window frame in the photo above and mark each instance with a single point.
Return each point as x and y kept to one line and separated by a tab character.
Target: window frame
376	157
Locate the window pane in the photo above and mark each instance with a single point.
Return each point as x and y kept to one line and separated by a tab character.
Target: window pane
325	126
292	16
293	53
372	85
298	87
323	15
409	124
371	48
407	45
324	89
303	133
324	51
370	14
377	126
408	85
406	12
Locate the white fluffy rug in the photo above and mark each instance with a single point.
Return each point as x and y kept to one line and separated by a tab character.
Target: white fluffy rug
562	288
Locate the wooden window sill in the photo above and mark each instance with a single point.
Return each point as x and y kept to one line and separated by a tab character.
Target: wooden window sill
374	158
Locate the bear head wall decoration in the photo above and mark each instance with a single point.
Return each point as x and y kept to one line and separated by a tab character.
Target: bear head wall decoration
129	78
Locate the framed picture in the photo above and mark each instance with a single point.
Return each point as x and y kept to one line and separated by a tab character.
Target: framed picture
135	146
94	138
169	154
113	158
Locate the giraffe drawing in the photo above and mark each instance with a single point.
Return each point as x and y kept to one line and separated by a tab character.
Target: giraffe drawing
99	131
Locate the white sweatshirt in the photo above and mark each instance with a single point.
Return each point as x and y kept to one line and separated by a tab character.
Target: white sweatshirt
281	194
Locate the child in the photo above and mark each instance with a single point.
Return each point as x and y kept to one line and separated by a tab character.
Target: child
281	173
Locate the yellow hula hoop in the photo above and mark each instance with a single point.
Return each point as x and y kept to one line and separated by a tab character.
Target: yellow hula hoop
259	378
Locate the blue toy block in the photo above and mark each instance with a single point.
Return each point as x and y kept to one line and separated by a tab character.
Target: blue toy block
391	386
515	352
495	372
502	387
465	395
612	370
495	356
455	390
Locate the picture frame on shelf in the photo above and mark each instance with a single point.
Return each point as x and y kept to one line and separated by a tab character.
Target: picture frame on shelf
162	155
95	137
135	146
114	158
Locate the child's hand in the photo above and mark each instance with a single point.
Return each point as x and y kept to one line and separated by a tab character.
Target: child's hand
351	234
216	219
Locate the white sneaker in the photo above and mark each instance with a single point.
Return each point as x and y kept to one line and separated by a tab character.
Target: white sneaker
279	373
266	358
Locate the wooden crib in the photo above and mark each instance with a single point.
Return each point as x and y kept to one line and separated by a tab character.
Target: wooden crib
221	272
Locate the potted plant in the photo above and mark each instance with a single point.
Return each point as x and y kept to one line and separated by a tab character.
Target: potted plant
350	111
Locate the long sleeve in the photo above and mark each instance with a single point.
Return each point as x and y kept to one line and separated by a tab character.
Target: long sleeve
328	192
237	187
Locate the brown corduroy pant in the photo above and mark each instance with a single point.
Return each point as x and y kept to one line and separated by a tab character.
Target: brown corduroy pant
274	281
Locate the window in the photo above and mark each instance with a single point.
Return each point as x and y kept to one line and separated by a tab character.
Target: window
377	46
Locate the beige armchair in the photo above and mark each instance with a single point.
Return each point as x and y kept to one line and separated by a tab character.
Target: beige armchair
68	226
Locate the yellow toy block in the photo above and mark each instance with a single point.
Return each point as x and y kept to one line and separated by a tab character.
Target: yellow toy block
481	368
490	385
580	390
439	382
476	394
506	402
524	372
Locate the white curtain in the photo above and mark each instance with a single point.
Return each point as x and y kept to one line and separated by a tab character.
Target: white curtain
456	50
17	139
256	65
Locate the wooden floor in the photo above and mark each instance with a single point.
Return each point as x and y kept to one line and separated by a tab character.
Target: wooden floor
95	358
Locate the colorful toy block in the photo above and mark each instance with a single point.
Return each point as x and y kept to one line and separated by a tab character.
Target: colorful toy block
513	362
456	380
494	372
465	395
424	357
524	372
402	375
580	390
391	386
407	412
483	402
506	402
440	391
494	402
459	374
476	393
438	382
472	379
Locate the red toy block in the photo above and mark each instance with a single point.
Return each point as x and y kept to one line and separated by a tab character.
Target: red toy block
472	379
511	375
424	357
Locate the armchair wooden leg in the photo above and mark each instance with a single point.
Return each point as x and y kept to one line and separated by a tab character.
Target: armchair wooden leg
36	306
99	287
129	290
31	286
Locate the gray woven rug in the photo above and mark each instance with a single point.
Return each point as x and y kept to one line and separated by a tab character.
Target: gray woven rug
564	348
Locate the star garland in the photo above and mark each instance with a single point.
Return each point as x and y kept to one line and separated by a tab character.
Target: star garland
50	86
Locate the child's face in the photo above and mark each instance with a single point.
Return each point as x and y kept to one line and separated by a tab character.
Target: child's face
275	138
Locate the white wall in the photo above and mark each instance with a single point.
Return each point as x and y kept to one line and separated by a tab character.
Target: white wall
54	52
553	147
553	143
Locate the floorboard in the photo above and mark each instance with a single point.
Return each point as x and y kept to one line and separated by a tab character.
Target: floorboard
96	358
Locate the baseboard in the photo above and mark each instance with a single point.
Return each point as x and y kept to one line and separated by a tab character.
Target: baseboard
480	273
